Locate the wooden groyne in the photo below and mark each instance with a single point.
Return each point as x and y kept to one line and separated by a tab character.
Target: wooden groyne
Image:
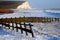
22	26
31	19
22	22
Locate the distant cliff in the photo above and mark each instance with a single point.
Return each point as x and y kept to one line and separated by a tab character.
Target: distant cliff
24	5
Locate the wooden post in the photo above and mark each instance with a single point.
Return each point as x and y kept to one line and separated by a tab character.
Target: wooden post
41	18
25	28
58	19
55	19
12	24
31	29
51	19
21	28
8	22
46	19
16	25
1	22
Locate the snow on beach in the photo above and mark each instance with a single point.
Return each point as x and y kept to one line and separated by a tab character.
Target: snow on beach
41	32
18	36
49	28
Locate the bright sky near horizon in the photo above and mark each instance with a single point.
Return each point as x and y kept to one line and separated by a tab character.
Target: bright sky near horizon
45	4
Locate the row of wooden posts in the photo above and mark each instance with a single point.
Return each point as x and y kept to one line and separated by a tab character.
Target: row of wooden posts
25	21
32	19
27	26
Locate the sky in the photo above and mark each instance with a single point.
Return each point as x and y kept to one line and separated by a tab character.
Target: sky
45	4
